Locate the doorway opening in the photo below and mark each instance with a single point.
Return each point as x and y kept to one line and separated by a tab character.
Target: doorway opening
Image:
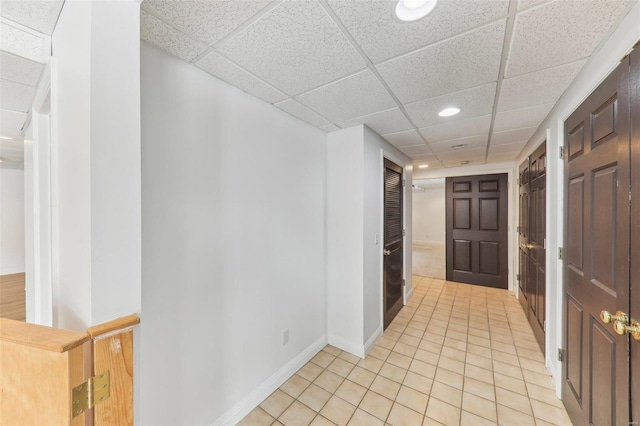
429	223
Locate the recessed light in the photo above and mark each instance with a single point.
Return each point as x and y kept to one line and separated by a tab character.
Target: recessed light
448	112
462	145
6	138
412	10
423	166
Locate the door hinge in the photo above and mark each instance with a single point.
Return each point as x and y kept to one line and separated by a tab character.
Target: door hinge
561	354
517	277
562	152
560	253
90	393
404	283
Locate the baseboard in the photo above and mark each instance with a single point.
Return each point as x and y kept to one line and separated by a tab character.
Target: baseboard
408	295
347	346
557	381
426	243
373	340
244	407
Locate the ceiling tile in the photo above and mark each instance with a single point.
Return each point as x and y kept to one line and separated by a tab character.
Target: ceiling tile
330	128
21	41
348	98
501	158
408	138
456	163
302	112
206	20
457	129
470	142
11	122
296	47
15	96
382	36
417	151
541	87
473	154
40	15
523	4
473	102
167	38
20	69
560	32
521	118
512	136
512	148
226	70
383	122
459	63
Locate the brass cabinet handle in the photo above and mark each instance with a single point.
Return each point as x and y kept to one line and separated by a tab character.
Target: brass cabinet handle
620	316
622	328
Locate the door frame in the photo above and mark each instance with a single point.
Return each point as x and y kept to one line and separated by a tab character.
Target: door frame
406	251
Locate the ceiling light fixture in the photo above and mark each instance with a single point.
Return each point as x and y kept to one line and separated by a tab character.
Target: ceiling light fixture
6	138
423	166
461	145
412	10
448	112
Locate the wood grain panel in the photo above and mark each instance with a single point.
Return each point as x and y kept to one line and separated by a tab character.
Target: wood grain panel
462	213
574	347
603	121
12	297
462	255
576	141
489	185
576	221
489	214
489	257
462	186
603	374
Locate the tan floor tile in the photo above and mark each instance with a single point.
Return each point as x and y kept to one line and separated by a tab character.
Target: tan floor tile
423	368
385	387
479	374
510	417
502	347
514	400
543	380
370	363
447	393
276	403
506	358
451	364
413	399
479	406
295	386
478	333
404	349
332	350
361	376
323	359
379	352
314	397
386	343
432	337
393	372
362	418
391	335
442	412
276	423
507	369
538	367
399	360
533	354
478	350
454	354
353	359
414	331
482	389
510	383
321	421
297	415
341	367
543	394
257	417
418	382
456	335
351	392
469	419
540	422
403	416
549	413
479	361
376	404
310	371
433	347
426	356
338	411
409	340
450	378
456	344
328	381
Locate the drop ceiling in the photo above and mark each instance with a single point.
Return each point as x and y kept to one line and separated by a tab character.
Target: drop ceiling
338	63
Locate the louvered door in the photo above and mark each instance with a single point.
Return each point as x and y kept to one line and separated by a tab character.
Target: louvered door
393	238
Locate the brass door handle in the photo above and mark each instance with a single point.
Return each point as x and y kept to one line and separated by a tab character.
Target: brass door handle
620	316
386	252
622	328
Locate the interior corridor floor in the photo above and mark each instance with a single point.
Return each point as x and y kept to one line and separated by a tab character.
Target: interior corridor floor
456	354
428	260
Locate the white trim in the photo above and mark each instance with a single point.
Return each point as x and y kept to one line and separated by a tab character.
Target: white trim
408	294
372	341
552	370
420	243
345	345
244	407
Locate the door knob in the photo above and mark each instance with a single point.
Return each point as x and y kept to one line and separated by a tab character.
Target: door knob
620	316
386	252
622	328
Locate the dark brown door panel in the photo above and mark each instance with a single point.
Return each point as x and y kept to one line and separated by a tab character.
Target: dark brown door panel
393	241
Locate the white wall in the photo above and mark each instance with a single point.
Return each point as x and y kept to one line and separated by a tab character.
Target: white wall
597	69
233	245
11	221
429	215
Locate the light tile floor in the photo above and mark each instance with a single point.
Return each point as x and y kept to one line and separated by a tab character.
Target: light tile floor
456	354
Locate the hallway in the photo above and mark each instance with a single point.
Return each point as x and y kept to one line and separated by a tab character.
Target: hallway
429	260
456	354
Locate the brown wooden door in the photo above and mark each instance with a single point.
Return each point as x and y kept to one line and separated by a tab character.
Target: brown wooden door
532	234
634	311
596	259
393	236
477	230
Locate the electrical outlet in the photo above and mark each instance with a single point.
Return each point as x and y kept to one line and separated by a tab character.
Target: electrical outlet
285	337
